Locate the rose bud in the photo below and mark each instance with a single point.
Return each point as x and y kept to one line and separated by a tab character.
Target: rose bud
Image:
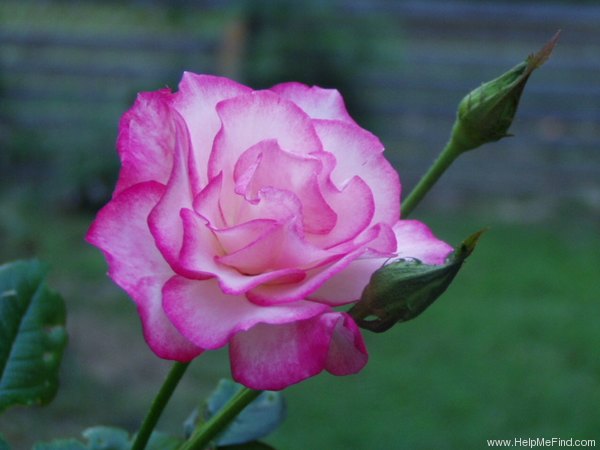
403	289
487	112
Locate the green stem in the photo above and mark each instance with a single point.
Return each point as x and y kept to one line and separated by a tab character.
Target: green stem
439	166
158	405
217	423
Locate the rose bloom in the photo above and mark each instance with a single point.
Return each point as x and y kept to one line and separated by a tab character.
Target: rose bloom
247	218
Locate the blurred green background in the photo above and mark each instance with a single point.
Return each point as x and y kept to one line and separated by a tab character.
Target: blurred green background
510	351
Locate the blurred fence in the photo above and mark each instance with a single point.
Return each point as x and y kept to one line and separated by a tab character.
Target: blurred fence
450	48
68	70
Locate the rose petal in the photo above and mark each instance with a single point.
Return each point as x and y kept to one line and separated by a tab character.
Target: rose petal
317	102
269	294
347	350
359	153
233	239
208	202
267	165
258	116
208	317
347	286
275	246
160	334
146	139
354	207
279	247
272	204
135	264
164	220
196	102
273	357
198	259
415	240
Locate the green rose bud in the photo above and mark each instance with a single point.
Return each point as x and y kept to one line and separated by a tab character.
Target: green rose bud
403	289
484	115
487	112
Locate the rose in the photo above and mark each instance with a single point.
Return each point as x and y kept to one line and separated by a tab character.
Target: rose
245	217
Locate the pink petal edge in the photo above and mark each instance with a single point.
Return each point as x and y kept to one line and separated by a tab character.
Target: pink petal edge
317	102
145	140
196	101
209	318
360	153
416	240
273	357
137	266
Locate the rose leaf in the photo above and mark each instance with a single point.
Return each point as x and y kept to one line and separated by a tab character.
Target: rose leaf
32	335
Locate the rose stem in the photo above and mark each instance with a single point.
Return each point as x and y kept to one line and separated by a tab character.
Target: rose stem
158	405
439	166
217	423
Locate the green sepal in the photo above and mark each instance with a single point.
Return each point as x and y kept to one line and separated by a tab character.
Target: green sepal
403	289
32	335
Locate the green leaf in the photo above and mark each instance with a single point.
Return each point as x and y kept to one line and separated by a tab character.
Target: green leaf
257	420
163	441
110	438
403	289
3	444
61	444
32	335
106	438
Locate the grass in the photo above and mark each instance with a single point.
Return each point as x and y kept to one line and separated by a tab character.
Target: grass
509	351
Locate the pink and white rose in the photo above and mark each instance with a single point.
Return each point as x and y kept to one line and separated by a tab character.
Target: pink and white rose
246	218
